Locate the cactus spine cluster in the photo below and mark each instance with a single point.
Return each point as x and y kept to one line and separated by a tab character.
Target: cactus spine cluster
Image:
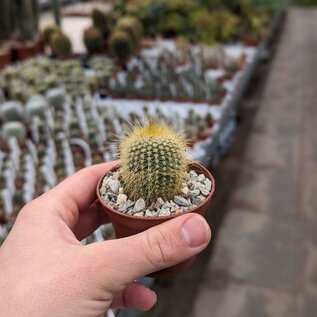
153	162
61	44
102	21
93	40
121	45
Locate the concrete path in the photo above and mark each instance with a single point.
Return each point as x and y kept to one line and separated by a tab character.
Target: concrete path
265	258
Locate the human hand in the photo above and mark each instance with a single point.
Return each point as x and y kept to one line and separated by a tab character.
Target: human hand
47	272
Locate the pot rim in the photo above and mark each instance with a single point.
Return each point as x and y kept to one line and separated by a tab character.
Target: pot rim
191	167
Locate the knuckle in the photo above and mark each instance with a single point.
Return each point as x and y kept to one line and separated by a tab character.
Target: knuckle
161	248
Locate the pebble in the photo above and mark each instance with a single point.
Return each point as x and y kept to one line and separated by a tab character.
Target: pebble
126	206
204	191
195	201
150	213
196	189
194	193
164	213
193	173
122	198
139	214
114	185
181	201
208	184
185	190
166	205
139	205
159	203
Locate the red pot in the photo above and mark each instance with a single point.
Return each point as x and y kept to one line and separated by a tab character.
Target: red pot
125	225
26	50
5	57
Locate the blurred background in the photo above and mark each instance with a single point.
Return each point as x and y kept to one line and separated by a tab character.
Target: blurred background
238	77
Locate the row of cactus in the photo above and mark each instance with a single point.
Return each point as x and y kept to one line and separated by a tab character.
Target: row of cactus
44	126
124	36
38	75
21	16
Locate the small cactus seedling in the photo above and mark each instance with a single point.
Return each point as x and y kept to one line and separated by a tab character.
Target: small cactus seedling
56	97
11	111
61	44
93	40
153	162
36	107
14	129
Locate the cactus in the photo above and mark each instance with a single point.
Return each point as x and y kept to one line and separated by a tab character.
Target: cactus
11	111
121	45
6	27
56	97
153	162
14	129
56	6
48	32
61	44
133	27
25	18
102	21
93	40
36	106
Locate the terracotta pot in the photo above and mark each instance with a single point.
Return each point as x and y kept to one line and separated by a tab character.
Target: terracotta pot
125	225
5	57
26	50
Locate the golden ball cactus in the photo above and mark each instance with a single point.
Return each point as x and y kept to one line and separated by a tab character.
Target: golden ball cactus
153	162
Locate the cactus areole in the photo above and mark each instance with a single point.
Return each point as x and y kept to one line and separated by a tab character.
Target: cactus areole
153	162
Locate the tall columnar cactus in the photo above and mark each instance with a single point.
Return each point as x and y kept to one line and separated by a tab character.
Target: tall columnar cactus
6	27
61	44
102	21
25	19
121	45
56	6
133	27
153	162
93	40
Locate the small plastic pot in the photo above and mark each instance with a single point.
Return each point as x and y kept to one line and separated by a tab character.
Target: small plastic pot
125	225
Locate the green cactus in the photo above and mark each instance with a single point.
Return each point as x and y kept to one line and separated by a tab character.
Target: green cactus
102	21
153	162
56	97
14	129
11	111
61	44
6	27
25	18
133	27
121	45
36	107
48	32
93	40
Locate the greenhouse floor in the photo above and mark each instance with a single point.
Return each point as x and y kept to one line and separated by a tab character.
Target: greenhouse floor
265	257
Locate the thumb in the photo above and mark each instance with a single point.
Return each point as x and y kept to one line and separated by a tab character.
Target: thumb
124	260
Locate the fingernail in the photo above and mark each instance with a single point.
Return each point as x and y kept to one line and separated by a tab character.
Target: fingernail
194	231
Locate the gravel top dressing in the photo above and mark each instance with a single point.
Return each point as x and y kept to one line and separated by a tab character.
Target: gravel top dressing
195	190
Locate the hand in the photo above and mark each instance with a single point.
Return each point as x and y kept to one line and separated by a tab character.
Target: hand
46	271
